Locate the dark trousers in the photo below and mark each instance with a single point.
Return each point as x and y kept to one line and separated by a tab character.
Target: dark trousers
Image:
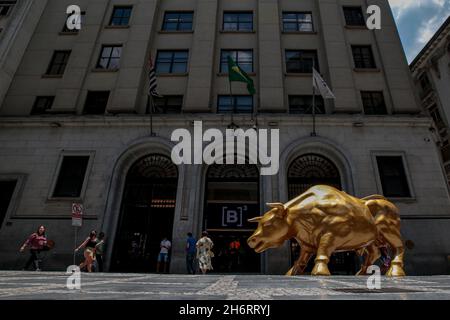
34	259
99	259
190	265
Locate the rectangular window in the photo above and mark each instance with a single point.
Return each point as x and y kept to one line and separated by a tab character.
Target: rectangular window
244	58
42	104
6	193
297	22
303	104
121	16
58	63
71	177
301	61
178	21
110	57
238	21
373	102
363	57
168	104
172	61
393	176
96	102
67	30
6	7
239	104
354	16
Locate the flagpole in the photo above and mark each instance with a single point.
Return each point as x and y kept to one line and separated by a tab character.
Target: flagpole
232	125
313	133
150	104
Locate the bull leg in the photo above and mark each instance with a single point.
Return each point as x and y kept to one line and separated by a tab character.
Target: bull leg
326	248
373	253
396	268
301	263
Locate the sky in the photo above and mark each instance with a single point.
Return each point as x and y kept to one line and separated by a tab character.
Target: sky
417	22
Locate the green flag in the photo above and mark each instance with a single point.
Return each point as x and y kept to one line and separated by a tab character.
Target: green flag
235	73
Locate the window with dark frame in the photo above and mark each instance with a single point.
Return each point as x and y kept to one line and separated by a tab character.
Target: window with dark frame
71	177
7	188
121	16
172	61
297	22
354	16
301	61
59	62
393	176
96	102
373	102
178	21
243	58
239	104
363	57
168	104
6	7
67	30
110	57
302	104
237	21
42	104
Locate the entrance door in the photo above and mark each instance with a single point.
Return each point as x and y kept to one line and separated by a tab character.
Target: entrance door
304	172
6	192
147	214
231	198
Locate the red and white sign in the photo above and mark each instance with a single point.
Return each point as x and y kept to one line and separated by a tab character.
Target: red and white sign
77	214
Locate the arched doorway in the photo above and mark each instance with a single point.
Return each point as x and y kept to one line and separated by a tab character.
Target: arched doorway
304	172
232	197
147	214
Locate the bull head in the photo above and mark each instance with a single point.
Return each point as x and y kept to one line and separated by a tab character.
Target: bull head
276	205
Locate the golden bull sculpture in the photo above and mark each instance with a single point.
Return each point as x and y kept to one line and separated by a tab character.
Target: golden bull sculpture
324	220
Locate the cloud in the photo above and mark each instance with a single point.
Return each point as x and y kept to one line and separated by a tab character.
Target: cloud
400	7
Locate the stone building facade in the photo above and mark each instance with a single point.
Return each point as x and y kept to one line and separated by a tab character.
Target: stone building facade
431	73
75	128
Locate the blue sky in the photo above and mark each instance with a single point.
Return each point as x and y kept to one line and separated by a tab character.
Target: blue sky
417	21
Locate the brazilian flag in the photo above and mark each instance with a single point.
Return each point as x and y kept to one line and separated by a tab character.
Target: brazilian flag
235	73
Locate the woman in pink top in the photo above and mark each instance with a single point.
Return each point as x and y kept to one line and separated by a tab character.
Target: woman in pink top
36	242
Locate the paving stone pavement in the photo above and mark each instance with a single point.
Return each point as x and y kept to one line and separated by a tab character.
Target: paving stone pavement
15	285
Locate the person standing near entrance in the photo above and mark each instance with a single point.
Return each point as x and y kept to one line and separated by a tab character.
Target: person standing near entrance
204	252
36	242
190	253
163	256
99	251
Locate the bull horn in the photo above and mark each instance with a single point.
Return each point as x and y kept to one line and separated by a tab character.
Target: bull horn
278	205
255	219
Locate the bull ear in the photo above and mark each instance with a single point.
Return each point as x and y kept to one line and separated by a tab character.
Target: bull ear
255	219
278	205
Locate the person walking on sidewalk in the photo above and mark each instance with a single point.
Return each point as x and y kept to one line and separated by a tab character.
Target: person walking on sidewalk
89	251
36	241
204	252
190	253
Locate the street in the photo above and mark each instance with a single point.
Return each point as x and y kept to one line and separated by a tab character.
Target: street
18	285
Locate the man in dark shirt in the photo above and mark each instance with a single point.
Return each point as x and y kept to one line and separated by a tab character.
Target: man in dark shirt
190	253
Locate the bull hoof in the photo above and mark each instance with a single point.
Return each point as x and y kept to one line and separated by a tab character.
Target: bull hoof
320	269
395	271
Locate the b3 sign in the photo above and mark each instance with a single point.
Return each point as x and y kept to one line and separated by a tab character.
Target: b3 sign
77	214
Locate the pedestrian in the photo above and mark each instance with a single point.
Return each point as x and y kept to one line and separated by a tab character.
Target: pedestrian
99	251
190	253
204	252
163	256
36	241
89	251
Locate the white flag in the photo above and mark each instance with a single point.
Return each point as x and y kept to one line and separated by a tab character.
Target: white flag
322	86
